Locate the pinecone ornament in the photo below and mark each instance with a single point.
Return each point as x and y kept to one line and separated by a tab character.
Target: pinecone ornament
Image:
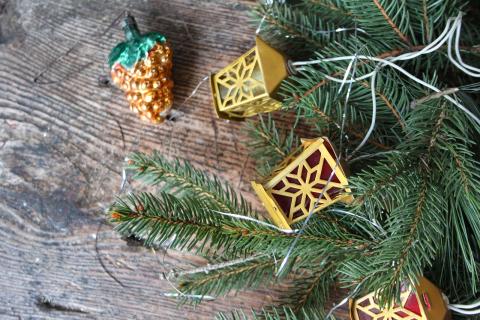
142	67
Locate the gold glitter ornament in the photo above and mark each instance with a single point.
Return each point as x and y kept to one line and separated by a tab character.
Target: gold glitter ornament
292	190
422	302
142	67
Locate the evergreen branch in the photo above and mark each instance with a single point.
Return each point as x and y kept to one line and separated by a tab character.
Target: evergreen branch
290	30
464	179
413	251
434	95
337	74
415	225
269	144
426	23
304	28
419	209
182	178
330	5
461	178
349	130
391	23
271	138
311	292
209	267
383	55
366	186
387	103
278	313
383	20
427	17
420	205
249	274
156	219
307	293
391	109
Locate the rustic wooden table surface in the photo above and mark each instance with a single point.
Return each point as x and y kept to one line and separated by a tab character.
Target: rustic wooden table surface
63	139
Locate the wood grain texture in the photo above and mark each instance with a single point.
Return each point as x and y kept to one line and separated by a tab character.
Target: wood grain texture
63	139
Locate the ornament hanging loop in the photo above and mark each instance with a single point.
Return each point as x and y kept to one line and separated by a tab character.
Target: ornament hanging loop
130	27
292	71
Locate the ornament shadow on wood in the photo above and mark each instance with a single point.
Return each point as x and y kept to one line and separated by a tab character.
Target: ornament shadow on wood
142	67
292	190
248	85
422	302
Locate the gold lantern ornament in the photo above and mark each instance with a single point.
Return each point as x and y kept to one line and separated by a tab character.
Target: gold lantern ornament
293	189
248	85
421	302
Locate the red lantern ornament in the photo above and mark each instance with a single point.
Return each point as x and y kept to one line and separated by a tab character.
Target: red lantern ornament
291	193
422	302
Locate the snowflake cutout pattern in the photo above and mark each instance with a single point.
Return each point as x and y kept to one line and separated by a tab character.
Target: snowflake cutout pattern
240	82
297	192
366	308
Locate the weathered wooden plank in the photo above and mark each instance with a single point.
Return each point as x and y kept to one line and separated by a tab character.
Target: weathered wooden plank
63	138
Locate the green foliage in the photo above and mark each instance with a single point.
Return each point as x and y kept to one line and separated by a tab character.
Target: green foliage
269	145
417	176
416	181
183	179
191	223
385	20
310	290
305	29
275	314
249	274
412	193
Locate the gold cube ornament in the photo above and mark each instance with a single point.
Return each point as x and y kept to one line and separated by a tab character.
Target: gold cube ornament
248	85
291	193
421	302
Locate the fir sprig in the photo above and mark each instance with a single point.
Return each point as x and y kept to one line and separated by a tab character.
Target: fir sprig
410	193
189	223
250	274
301	26
181	178
269	145
425	185
278	313
417	206
310	289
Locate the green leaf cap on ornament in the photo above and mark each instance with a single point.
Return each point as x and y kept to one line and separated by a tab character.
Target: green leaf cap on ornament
136	46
